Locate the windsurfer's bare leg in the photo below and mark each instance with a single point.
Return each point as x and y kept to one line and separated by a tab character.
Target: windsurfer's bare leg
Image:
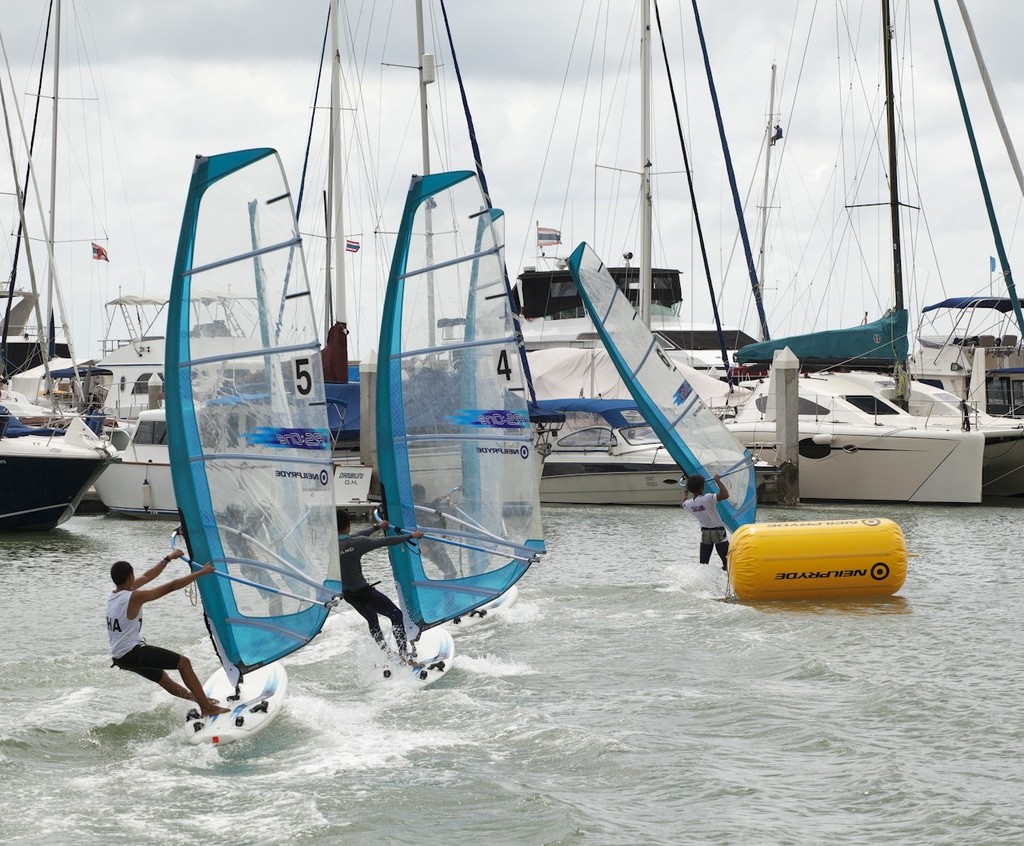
207	707
175	689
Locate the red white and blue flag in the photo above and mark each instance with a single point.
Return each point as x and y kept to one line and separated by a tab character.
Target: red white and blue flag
351	246
99	254
547	237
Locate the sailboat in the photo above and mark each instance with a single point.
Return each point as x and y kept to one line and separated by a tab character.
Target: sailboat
247	430
857	439
456	453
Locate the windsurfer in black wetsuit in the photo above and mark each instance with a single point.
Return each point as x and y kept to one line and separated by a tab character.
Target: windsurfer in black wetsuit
434	551
357	592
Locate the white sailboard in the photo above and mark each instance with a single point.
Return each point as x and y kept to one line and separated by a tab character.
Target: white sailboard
254	705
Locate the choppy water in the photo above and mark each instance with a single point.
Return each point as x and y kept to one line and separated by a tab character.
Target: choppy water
619	702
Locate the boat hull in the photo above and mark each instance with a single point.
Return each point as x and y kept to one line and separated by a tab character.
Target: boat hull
875	464
39	489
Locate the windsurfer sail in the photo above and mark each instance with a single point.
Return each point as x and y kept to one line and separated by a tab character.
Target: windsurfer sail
455	448
695	438
246	415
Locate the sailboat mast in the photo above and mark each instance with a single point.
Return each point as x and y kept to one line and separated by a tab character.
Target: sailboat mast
425	62
1011	151
767	171
50	329
645	163
890	125
334	186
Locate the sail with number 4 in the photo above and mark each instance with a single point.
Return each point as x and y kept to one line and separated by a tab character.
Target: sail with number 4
455	447
695	438
247	426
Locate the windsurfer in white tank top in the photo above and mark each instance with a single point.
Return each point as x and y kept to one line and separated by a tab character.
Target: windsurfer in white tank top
704	506
124	627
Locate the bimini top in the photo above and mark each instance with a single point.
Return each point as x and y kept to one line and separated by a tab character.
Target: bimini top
1001	304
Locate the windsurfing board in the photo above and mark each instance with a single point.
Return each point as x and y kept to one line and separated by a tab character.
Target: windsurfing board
488	609
435	651
261	697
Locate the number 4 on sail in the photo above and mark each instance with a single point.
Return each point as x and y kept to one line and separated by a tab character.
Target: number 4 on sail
455	446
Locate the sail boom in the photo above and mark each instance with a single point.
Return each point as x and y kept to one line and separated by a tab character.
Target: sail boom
262	251
447	348
434	268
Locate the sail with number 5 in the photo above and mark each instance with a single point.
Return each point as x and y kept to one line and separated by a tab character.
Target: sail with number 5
455	447
247	425
695	438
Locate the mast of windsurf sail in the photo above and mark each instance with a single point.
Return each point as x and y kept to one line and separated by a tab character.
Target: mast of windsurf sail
902	379
645	162
425	63
1004	262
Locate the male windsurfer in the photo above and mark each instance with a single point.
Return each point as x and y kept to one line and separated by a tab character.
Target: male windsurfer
124	625
357	592
433	519
702	506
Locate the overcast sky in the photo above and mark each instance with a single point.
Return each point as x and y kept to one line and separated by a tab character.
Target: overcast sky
553	85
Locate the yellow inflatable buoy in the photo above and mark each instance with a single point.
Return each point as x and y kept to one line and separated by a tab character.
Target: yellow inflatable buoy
825	559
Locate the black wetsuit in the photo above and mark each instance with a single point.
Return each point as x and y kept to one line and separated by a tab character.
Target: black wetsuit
362	596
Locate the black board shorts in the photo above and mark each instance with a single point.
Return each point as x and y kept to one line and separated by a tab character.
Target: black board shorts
148	661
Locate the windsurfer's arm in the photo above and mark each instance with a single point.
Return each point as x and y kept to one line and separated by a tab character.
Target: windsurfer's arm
141	597
723	491
395	540
157	568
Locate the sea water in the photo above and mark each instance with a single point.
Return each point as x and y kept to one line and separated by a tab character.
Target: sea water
620	701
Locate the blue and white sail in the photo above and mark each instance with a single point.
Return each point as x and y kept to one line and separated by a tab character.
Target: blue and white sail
455	447
695	438
246	415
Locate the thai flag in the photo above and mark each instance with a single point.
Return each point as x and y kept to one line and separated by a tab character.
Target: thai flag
99	254
548	237
351	246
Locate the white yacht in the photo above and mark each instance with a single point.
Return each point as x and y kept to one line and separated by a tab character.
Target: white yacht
857	444
140	484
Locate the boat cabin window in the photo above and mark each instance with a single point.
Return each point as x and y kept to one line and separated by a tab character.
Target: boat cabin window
142	383
592	438
637	435
151	432
871	404
1005	396
804	406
